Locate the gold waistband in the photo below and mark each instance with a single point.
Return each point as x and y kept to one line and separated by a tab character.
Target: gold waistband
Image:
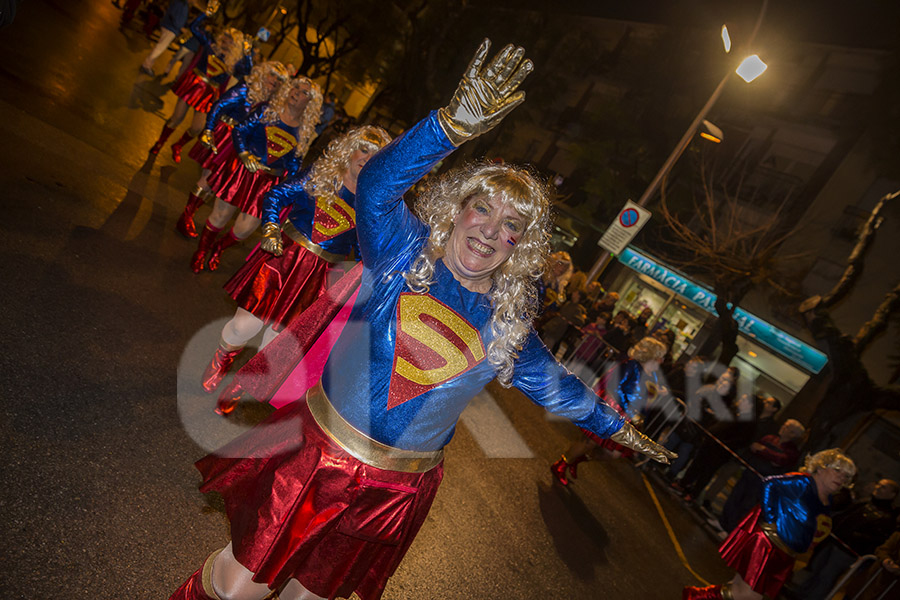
228	120
291	231
203	77
361	446
771	532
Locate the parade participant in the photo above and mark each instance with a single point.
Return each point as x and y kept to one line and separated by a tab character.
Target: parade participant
173	21
215	140
793	515
627	387
270	145
200	85
331	502
287	272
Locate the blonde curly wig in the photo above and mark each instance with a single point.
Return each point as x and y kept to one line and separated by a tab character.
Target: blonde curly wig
833	458
256	80
327	174
311	114
230	53
514	291
647	349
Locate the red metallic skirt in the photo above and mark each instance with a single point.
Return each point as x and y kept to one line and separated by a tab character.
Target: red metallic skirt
197	93
222	139
301	507
236	185
278	288
760	563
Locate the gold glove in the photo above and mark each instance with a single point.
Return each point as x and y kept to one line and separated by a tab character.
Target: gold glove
485	95
251	163
272	239
212	7
630	437
206	138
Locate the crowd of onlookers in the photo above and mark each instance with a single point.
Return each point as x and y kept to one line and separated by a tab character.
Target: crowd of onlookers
727	436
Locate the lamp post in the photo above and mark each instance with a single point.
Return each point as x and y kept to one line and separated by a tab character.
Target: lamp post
749	69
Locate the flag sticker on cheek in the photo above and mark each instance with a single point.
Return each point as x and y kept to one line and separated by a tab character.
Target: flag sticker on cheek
511	241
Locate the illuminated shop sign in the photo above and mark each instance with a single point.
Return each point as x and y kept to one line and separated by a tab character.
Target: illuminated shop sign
784	344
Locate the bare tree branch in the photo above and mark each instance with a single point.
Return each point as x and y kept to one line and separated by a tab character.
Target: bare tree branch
879	319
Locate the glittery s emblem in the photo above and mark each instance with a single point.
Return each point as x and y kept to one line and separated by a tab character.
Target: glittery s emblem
434	344
333	217
214	66
279	142
823	528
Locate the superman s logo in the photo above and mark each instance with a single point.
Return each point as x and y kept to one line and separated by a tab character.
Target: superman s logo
434	344
823	528
333	217
278	142
214	66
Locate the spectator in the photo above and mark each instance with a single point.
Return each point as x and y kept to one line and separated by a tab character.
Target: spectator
773	454
884	573
571	314
328	111
172	24
620	332
639	330
684	383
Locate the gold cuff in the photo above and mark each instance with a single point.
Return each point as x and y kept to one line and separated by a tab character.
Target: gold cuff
289	230
726	592
228	121
361	446
203	77
771	532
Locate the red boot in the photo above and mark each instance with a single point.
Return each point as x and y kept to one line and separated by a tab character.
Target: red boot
185	225
207	237
226	241
710	592
177	146
559	470
166	132
573	465
218	367
199	585
229	398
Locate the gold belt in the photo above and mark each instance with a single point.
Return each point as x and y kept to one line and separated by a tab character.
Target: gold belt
228	120
291	231
203	77
361	446
771	532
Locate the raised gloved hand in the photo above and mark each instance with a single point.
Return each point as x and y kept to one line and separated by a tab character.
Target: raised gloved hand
630	437
272	239
251	162
485	94
212	7
206	138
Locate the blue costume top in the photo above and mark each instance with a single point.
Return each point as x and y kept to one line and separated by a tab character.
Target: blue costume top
326	220
631	390
234	104
273	143
210	64
407	364
791	503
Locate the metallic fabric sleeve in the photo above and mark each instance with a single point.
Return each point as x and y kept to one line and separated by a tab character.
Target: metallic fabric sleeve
230	102
242	131
547	383
284	194
630	392
790	503
199	31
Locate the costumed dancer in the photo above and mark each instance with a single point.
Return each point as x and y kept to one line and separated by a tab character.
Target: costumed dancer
338	485
637	386
201	84
269	146
792	517
287	272
215	140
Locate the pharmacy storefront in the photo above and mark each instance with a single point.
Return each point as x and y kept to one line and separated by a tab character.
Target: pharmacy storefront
776	362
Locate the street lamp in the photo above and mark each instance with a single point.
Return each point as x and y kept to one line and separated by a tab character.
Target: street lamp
749	69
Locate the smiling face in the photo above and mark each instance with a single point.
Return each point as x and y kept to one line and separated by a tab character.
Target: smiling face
299	97
484	236
270	84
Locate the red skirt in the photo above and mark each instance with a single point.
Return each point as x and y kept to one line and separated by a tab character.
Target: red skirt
236	185
198	94
222	139
764	566
278	288
301	507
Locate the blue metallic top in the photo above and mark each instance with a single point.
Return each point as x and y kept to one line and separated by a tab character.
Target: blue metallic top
209	63
407	364
631	390
234	103
272	143
327	220
791	503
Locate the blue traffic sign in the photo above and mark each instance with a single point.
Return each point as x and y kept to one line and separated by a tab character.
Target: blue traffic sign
629	217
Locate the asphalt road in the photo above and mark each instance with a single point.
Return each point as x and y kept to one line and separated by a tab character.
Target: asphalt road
105	330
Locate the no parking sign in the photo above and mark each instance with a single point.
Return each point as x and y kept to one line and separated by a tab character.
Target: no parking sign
625	226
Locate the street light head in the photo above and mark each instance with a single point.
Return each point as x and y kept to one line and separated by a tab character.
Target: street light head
726	39
751	68
711	132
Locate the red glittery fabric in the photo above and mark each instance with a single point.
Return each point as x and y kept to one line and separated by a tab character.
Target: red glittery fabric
301	507
198	94
236	185
762	565
222	138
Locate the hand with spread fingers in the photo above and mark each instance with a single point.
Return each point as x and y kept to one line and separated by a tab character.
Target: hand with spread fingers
630	437
251	163
206	138
272	239
486	93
